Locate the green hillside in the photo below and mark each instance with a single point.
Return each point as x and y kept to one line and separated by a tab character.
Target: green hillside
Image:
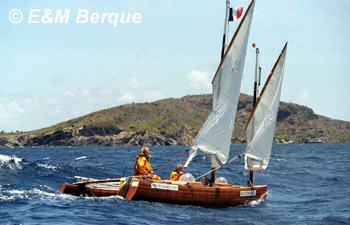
176	121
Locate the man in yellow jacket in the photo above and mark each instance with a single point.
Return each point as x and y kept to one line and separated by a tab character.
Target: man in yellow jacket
142	166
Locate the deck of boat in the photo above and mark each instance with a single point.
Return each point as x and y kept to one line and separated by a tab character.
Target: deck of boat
101	189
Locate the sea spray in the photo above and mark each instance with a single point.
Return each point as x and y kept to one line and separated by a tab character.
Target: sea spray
10	162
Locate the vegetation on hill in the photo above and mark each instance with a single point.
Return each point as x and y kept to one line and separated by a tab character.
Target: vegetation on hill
175	121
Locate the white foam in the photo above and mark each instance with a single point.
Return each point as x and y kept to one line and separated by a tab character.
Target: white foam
82	157
11	162
54	168
254	203
43	192
4	198
11	195
15	192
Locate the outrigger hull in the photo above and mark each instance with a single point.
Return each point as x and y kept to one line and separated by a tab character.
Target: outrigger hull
219	195
96	188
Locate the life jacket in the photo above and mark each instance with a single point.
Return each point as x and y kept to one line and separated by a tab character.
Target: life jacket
156	177
174	176
142	166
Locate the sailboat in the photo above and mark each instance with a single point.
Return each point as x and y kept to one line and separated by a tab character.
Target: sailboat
214	138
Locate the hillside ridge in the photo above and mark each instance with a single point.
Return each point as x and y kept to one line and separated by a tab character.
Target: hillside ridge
175	121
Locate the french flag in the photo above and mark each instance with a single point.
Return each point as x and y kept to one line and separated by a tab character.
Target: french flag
235	13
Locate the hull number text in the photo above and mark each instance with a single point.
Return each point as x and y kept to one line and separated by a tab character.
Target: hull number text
248	193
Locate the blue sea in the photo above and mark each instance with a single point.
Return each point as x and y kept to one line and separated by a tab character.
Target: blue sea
307	184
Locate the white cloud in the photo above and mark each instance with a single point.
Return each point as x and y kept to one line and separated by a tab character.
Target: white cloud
68	93
152	95
127	98
133	83
51	101
146	95
10	111
106	92
13	106
57	111
27	100
290	15
75	113
85	93
303	97
199	80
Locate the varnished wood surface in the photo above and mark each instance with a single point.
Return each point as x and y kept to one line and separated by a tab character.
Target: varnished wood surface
220	195
199	194
81	190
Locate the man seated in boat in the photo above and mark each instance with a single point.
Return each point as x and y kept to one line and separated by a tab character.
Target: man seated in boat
177	172
142	167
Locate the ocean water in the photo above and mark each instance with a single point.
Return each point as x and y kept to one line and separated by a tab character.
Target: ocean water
307	184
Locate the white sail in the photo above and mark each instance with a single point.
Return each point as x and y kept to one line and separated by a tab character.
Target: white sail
261	125
215	136
225	68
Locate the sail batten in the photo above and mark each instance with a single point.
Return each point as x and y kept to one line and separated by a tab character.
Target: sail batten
215	136
262	122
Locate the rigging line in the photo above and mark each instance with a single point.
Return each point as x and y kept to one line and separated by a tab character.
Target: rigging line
185	157
244	83
230	161
228	32
266	173
126	165
183	151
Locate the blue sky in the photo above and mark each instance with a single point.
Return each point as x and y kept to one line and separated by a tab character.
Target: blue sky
54	72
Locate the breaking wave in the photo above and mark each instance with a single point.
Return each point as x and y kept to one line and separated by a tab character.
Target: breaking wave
82	157
10	162
46	166
254	203
30	179
42	192
15	163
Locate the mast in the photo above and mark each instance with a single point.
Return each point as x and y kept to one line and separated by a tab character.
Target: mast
261	124
214	138
256	93
257	77
225	27
214	164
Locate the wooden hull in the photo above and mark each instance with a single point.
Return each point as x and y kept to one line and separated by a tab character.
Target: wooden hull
219	195
91	189
172	192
